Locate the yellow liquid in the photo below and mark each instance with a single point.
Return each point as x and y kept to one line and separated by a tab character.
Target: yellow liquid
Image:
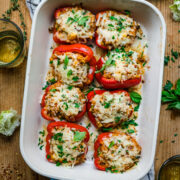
171	171
9	48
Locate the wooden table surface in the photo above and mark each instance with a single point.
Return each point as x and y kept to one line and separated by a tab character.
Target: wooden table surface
12	165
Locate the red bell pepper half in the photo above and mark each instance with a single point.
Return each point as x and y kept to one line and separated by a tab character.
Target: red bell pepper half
54	125
55	33
43	105
96	147
85	51
91	95
112	83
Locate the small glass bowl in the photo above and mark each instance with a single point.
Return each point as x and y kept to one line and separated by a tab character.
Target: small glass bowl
7	25
171	160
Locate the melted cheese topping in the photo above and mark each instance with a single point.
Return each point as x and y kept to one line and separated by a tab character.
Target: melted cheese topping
124	65
62	102
111	108
119	152
115	29
74	73
65	149
75	24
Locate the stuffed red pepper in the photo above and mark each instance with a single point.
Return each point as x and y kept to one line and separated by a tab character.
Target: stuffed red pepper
116	152
66	143
114	29
73	64
109	108
73	25
63	101
120	68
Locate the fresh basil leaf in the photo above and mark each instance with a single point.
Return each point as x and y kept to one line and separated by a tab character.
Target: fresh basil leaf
79	136
174	105
135	97
168	86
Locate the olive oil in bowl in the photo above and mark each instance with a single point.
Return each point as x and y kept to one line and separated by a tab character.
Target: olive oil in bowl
10	46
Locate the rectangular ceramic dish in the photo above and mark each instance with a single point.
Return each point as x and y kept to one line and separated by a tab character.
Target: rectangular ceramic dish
153	24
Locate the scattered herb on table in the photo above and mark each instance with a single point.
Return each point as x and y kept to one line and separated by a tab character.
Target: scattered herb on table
161	141
14	6
171	96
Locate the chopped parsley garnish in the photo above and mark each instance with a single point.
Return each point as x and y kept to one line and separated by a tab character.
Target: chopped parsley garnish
50	62
52	90
42	133
48	156
79	136
127	12
107	104
77	105
130	131
66	108
58	163
126	124
144	64
82	21
75	78
113	37
117	119
70	87
73	11
58	62
53	81
110	25
69	73
107	129
87	127
66	61
111	144
107	63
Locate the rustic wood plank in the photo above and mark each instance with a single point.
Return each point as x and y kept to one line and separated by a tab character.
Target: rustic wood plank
12	166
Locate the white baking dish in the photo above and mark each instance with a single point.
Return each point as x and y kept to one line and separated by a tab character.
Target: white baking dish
153	23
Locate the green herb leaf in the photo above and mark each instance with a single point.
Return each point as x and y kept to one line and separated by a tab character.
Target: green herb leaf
111	144
135	97
117	119
77	105
168	86
66	61
82	21
58	163
127	12
75	78
70	87
107	63
69	73
79	136
107	129
52	90
66	108
130	131
175	54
